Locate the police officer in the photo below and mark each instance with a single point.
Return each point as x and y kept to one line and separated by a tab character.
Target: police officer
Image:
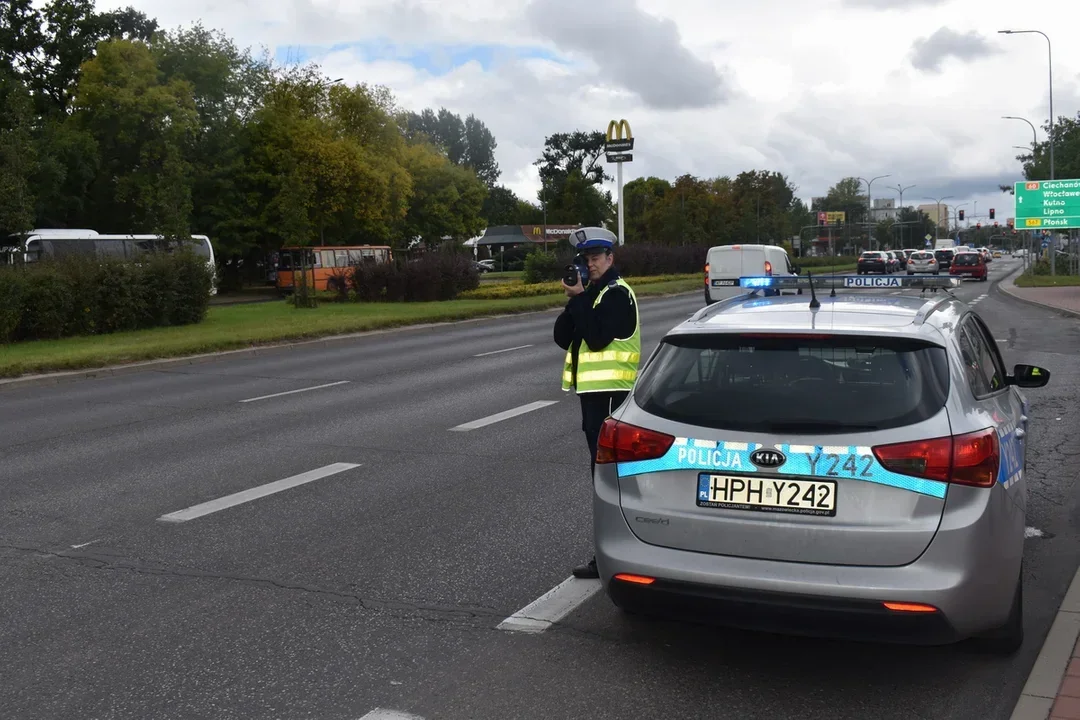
600	329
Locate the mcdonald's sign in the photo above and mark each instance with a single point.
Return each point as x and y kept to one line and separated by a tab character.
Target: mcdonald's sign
619	139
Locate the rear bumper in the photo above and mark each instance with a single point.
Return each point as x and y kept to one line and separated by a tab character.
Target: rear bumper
968	579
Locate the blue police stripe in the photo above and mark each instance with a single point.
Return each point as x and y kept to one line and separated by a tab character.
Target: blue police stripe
847	462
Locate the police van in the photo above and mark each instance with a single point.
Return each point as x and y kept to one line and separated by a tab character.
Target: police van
725	264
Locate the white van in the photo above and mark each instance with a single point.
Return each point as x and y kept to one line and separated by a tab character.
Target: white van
725	264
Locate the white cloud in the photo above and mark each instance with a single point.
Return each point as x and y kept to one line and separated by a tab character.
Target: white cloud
815	90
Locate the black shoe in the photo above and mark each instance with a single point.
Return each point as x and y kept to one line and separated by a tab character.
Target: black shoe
588	570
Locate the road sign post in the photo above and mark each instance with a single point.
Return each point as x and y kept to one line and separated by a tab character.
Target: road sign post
1048	205
617	149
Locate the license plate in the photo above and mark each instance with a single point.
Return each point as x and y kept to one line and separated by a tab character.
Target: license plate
798	497
725	283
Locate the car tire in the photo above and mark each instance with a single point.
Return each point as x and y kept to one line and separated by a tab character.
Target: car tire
1008	638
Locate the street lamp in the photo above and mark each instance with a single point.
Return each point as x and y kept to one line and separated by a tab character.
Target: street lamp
901	190
1050	58
869	207
937	219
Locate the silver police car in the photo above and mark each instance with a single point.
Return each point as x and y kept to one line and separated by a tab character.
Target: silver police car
848	465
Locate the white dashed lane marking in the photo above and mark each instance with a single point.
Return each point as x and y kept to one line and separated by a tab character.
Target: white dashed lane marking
293	392
381	714
505	350
197	511
504	415
552	606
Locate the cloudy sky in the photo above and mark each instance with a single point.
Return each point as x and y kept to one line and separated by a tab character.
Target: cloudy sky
818	90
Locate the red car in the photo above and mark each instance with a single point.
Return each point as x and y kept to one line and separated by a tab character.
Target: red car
969	264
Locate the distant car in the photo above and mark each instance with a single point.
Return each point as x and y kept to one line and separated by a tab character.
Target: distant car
969	264
725	264
922	261
853	469
873	261
944	257
997	253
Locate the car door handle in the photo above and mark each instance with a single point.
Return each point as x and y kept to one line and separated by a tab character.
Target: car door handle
1020	432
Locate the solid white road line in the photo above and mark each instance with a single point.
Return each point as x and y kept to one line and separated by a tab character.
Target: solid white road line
505	415
293	392
381	714
552	606
496	352
197	511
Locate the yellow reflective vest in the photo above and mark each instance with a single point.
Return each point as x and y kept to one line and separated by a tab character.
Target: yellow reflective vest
612	369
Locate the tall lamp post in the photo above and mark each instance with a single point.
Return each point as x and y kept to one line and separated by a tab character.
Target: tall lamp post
869	206
900	189
937	219
1050	68
1050	58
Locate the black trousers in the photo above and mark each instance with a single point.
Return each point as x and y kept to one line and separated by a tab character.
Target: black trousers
595	408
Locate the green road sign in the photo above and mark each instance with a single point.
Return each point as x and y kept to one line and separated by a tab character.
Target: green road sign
1048	204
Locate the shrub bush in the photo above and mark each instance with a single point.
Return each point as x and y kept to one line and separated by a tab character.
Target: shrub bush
431	277
544	266
647	259
81	296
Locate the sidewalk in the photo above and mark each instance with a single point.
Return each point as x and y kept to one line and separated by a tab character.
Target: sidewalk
1052	691
1062	299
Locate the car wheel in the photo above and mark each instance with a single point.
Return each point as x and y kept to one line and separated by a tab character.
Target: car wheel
1008	638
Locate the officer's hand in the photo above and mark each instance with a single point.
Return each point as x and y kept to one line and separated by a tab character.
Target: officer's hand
575	289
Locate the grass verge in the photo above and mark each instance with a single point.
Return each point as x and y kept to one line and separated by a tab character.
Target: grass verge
231	327
1026	281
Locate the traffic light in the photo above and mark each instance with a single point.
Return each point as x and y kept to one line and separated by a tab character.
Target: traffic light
991	213
961	214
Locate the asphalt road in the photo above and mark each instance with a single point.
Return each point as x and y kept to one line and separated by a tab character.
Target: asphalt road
382	584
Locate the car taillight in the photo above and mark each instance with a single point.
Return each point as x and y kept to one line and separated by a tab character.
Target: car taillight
975	458
768	268
620	442
706	273
970	459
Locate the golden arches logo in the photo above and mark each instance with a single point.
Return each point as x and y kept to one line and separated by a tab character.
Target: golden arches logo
615	131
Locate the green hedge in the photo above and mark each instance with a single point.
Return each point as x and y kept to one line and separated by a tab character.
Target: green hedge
434	276
81	296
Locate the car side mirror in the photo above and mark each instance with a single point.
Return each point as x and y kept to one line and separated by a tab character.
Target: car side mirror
1029	376
796	269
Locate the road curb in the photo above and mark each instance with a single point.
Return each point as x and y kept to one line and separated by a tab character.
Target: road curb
1041	689
56	378
1034	303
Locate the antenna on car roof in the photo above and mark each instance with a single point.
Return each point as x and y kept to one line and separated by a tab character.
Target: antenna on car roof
814	304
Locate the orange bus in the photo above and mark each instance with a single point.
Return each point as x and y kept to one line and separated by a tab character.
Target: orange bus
325	262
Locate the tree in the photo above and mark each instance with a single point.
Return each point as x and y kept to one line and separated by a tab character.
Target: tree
641	197
845	196
144	130
763	201
18	155
447	200
502	207
73	29
467	143
1036	164
565	153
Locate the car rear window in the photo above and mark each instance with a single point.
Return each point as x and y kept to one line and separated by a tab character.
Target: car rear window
871	255
966	259
921	256
804	384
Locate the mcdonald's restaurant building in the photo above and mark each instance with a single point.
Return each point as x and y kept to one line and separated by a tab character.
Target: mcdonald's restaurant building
503	237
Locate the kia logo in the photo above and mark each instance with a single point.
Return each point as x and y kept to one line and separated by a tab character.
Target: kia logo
768	458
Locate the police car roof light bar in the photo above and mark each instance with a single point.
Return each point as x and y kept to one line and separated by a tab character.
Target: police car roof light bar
847	282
